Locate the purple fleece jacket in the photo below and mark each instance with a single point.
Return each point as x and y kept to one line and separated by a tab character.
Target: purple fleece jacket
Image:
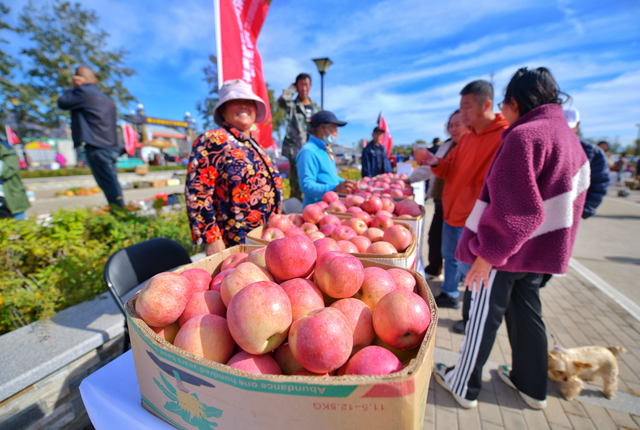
527	215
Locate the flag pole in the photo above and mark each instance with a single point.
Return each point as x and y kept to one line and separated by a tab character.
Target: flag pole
216	19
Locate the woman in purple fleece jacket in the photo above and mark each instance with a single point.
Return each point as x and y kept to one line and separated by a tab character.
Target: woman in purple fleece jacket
524	224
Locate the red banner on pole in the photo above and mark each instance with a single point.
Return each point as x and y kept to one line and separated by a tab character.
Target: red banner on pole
130	139
385	140
11	136
238	25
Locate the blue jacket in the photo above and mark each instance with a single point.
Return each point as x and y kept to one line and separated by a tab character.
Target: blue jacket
93	116
599	178
317	173
371	162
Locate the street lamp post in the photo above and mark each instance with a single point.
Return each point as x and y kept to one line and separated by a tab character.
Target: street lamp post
322	64
638	141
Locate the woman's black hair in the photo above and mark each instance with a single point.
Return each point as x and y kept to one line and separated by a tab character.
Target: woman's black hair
533	88
455	112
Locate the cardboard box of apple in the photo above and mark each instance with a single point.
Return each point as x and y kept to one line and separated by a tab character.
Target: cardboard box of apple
297	308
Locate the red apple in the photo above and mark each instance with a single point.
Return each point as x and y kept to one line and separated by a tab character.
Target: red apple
259	317
307	227
377	283
396	193
361	242
364	216
413	210
381	247
360	320
294	231
401	319
245	274
281	222
338	274
216	282
312	213
328	229
315	235
321	341
337	206
258	364
272	233
373	234
167	332
291	257
163	299
420	154
403	279
257	257
296	219
234	260
347	246
372	360
200	279
325	245
343	233
203	303
357	225
304	296
384	212
398	236
330	197
329	219
354	209
372	204
286	360
355	201
206	336
382	222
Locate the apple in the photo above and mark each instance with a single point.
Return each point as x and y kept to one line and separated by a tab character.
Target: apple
259	317
312	213
381	247
307	227
330	197
203	303
304	372
401	319
329	219
325	245
364	216
407	192
354	209
413	210
356	225
360	320
304	296
338	274
337	206
398	236
200	279
291	257
296	219
286	360
420	155
403	279
328	229
216	282
384	212
381	221
294	231
257	257
372	360
372	205
258	364
206	336
396	193
272	233
281	222
377	283
347	246
321	341
373	234
234	260
343	233
315	235
245	274
361	242
322	205
167	332
354	201
163	299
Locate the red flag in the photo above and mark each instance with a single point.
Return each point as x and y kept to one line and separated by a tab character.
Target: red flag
385	140
238	25
130	139
11	136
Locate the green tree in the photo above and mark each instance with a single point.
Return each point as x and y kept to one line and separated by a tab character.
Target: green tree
7	64
206	105
278	115
64	36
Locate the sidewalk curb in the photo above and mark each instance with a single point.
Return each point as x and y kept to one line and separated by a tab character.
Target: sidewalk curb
626	303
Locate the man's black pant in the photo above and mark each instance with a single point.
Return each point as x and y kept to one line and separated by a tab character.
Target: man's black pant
514	296
103	166
435	241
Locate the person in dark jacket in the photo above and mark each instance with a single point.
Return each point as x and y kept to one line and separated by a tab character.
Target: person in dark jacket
93	123
374	156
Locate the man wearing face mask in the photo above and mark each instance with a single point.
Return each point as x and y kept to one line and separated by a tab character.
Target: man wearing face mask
316	164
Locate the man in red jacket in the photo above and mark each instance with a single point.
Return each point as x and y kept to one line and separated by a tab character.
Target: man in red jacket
464	169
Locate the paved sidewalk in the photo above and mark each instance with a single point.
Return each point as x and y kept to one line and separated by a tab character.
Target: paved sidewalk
577	314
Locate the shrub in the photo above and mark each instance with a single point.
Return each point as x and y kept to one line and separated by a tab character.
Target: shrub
25	174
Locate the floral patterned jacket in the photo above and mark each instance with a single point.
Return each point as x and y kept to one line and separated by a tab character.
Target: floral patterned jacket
232	187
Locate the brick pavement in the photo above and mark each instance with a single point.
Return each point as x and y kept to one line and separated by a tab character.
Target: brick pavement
577	314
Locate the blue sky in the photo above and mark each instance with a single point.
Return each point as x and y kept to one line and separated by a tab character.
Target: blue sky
408	59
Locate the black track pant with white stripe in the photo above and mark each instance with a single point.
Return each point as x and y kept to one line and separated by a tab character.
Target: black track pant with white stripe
514	296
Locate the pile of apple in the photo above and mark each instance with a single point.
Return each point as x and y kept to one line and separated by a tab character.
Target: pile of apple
386	185
373	205
362	233
296	307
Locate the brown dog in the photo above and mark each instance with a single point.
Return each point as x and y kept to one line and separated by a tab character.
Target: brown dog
572	366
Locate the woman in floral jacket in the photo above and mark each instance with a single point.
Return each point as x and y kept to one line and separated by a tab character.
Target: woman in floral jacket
232	185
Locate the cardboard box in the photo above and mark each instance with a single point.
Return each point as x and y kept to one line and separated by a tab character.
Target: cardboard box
192	393
404	260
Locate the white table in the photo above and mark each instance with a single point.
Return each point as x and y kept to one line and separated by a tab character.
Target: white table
112	398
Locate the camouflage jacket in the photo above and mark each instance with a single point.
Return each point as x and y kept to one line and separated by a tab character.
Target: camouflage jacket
297	129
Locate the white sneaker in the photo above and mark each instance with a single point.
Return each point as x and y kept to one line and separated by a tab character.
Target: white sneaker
439	370
504	372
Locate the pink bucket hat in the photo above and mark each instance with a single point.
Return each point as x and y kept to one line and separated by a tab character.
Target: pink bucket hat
238	89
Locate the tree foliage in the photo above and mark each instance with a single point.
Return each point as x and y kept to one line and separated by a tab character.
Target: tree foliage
206	105
278	115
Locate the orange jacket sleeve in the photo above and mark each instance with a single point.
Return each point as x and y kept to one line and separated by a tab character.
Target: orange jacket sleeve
442	169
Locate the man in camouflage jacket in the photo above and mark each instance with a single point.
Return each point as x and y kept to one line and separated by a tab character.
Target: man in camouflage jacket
299	112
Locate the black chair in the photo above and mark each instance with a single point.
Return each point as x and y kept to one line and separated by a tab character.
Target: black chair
129	267
292	206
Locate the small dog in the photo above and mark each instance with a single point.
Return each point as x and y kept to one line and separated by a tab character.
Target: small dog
572	366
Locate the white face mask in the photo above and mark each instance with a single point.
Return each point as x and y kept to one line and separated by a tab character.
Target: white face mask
329	139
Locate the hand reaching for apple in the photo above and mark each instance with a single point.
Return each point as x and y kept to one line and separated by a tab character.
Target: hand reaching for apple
431	159
346	187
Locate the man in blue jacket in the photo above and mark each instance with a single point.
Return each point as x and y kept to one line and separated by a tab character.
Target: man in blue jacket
374	156
316	164
93	123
